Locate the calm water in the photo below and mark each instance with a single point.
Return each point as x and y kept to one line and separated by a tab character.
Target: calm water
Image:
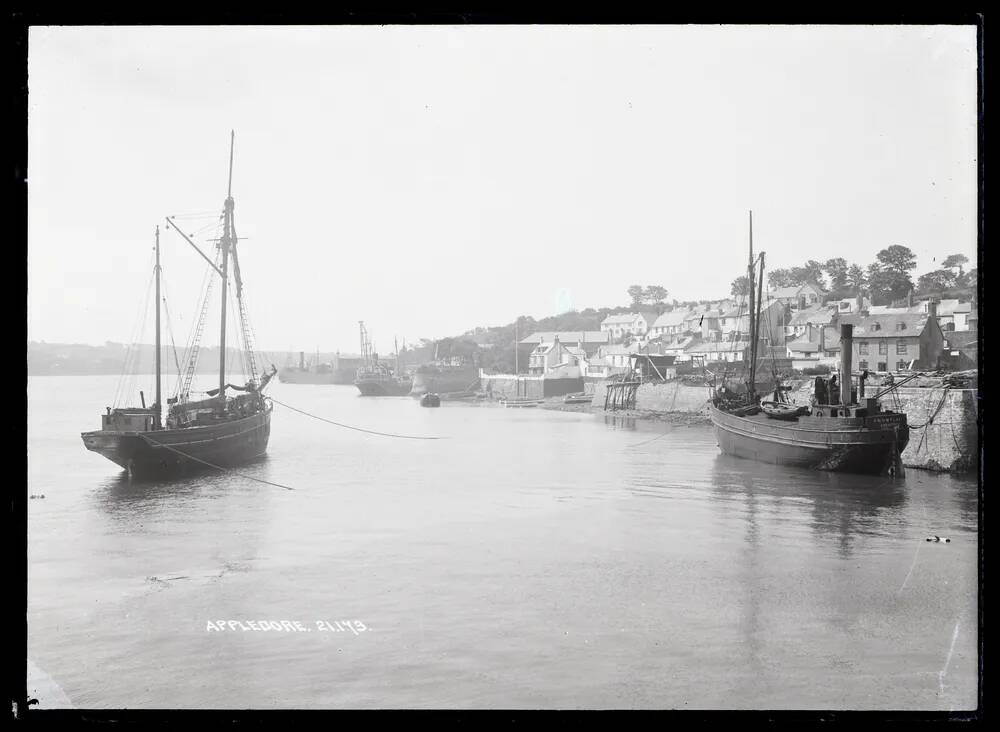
530	559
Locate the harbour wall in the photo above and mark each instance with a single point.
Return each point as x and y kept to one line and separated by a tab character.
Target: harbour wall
948	442
533	387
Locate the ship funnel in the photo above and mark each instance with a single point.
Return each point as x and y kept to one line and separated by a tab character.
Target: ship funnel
846	347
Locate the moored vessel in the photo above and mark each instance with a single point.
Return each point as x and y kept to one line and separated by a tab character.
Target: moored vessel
375	378
219	431
841	430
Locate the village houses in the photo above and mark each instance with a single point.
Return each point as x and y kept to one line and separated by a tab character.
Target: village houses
635	324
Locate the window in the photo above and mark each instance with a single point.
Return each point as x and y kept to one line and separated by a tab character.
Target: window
877	326
900	365
900	347
883	348
862	364
863	348
900	326
883	366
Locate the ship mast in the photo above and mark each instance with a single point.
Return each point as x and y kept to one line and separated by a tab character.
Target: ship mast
157	417
753	324
225	244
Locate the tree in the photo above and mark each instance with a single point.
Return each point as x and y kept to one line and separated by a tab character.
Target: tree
887	285
779	278
837	269
955	260
656	293
636	293
740	287
936	281
811	271
856	276
897	258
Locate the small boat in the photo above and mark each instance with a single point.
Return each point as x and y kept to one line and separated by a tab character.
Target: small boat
430	400
520	402
579	398
783	410
453	396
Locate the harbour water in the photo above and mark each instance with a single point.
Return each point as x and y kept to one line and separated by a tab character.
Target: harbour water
527	559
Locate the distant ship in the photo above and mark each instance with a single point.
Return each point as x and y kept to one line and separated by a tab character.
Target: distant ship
444	378
342	370
219	431
375	378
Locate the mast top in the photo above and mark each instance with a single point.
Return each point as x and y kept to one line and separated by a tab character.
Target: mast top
232	143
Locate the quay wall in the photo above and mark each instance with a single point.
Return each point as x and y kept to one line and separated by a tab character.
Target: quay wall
533	387
948	443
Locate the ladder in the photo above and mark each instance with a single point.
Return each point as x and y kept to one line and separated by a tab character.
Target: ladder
192	362
248	340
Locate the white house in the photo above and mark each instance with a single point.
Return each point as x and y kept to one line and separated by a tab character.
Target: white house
669	324
809	318
636	324
798	296
548	356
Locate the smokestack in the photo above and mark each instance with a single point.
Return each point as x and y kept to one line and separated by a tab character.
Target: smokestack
302	359
846	346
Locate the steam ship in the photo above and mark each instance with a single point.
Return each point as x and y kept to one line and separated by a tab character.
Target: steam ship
842	430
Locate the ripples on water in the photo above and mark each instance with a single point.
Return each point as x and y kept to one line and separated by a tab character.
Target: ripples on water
528	559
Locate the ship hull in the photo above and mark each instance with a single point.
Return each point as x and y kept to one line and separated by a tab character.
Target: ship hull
376	387
168	452
850	446
444	381
298	376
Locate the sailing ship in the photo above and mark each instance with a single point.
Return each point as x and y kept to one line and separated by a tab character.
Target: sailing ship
220	431
375	378
841	430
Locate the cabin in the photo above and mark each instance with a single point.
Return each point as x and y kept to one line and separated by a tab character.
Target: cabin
652	366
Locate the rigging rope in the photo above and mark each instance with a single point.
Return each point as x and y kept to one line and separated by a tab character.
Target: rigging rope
217	467
170	330
350	427
133	337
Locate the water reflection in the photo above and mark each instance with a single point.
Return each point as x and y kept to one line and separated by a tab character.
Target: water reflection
620	421
843	506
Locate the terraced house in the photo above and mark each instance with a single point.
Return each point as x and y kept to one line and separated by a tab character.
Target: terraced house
897	341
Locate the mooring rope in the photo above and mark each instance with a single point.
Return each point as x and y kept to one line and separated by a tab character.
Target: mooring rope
217	467
351	427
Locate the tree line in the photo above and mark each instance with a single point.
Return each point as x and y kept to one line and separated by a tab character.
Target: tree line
886	279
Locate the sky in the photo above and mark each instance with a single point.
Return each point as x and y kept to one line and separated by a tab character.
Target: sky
432	179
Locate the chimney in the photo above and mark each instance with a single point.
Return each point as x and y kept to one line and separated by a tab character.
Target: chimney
822	340
809	332
860	301
909	298
302	359
846	346
932	308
